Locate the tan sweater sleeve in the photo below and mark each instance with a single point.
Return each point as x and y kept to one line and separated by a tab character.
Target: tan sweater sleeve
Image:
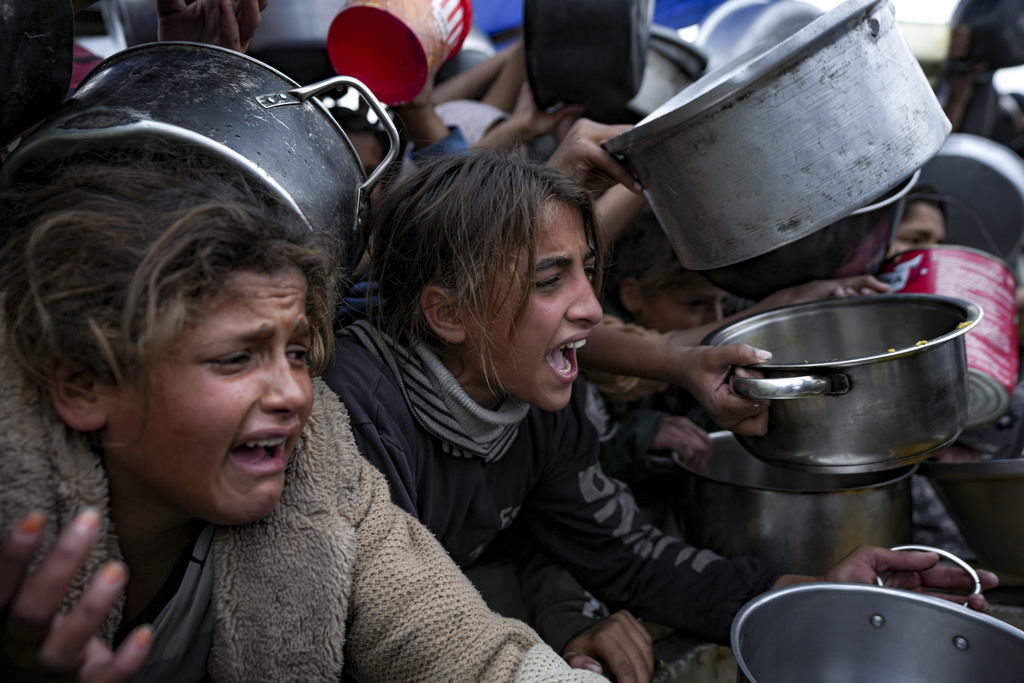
413	615
626	388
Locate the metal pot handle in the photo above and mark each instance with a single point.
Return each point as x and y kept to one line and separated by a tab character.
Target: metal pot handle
300	95
946	554
789	387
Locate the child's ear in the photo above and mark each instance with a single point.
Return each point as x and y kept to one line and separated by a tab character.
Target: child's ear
73	392
629	294
442	317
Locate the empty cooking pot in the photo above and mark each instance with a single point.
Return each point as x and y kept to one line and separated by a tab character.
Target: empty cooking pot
986	500
590	52
803	522
853	245
815	632
225	105
760	153
859	384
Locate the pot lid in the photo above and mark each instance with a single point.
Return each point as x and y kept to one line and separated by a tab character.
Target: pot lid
736	77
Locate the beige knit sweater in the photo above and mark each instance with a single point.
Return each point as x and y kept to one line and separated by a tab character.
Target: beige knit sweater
336	576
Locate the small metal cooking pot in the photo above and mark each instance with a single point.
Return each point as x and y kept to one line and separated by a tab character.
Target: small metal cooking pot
225	105
854	245
859	384
760	153
814	632
741	505
590	52
986	500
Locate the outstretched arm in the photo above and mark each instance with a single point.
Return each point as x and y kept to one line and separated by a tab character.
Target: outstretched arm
916	571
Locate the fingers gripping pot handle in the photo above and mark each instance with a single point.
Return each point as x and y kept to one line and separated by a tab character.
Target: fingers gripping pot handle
942	553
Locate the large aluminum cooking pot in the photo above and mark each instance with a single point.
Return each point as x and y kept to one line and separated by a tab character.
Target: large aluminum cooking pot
816	632
986	500
758	154
860	384
223	104
803	522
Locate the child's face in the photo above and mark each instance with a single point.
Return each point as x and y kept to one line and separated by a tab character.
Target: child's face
697	303
923	225
226	404
536	363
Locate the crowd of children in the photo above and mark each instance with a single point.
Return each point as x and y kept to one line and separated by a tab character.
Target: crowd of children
183	498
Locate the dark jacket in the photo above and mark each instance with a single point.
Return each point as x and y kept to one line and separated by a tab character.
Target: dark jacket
551	479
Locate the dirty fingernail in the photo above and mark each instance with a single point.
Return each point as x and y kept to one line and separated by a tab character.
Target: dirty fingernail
31	523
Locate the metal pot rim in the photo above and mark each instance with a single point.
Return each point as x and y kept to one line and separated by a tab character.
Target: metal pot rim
971	311
886	594
893	476
1012	468
739	75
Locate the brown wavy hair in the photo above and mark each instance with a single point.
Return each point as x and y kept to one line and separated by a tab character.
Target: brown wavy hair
109	260
464	223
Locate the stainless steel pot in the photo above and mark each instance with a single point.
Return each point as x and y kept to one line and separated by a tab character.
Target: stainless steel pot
986	500
853	245
803	522
222	104
815	632
860	384
760	153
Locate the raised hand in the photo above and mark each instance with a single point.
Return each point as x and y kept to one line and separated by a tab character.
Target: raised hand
37	641
226	23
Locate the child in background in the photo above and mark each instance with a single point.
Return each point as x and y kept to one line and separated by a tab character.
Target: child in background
647	426
181	501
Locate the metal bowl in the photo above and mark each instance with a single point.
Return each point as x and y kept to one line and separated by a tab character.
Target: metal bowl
853	245
986	500
816	632
859	384
741	505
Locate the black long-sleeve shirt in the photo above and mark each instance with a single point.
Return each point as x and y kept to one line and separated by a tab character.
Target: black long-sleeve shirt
552	479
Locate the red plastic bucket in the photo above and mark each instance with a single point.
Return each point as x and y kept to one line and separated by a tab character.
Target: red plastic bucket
394	46
992	356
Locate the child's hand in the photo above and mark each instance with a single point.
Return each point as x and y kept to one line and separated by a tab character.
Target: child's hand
819	290
37	642
706	375
217	22
581	157
690	444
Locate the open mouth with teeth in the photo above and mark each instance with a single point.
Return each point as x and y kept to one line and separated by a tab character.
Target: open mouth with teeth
259	450
563	359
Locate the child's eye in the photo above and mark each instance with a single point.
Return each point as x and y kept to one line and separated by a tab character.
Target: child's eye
298	353
232	360
550	282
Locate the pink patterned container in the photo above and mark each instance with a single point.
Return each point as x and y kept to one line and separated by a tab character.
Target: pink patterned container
981	278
